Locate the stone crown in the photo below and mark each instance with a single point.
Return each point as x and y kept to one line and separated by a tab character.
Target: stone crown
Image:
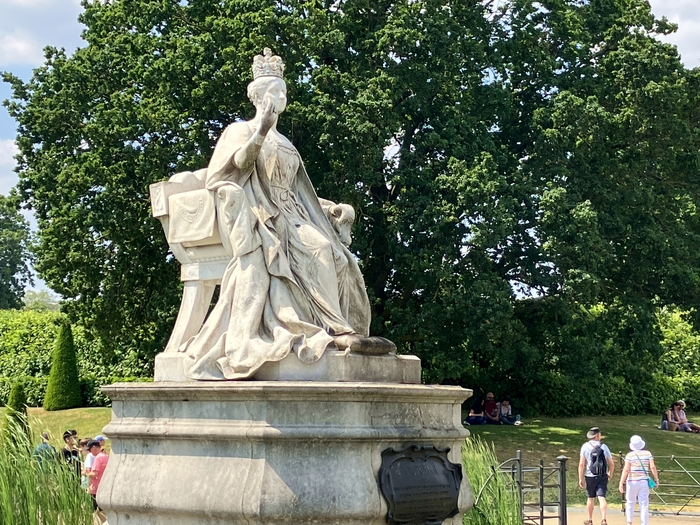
267	65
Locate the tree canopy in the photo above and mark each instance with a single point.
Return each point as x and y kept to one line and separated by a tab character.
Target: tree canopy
525	173
15	273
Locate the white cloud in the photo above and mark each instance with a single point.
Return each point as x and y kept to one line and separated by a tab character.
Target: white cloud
8	178
8	149
18	47
686	14
27	26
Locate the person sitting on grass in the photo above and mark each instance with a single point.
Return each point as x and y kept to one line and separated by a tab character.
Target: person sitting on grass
476	414
669	420
491	410
505	412
683	423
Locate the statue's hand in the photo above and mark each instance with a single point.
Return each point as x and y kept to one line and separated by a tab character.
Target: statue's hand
268	117
341	216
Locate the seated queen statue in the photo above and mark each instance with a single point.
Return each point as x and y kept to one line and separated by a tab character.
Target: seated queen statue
291	284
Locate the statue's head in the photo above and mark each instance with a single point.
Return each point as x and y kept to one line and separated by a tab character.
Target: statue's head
268	82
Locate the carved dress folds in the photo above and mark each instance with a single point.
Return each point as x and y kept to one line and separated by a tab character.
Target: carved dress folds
291	285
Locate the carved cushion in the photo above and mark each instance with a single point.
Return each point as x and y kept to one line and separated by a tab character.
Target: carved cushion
192	217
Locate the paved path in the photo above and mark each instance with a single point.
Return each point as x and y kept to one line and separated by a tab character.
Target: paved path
577	515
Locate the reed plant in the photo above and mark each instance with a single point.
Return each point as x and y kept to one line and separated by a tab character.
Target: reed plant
37	490
496	498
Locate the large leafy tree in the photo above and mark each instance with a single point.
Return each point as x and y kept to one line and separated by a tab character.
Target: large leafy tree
525	172
15	258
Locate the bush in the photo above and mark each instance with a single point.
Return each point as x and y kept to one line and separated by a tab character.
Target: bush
16	415
27	339
63	390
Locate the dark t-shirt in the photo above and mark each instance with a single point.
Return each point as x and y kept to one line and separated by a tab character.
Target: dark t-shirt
491	408
71	457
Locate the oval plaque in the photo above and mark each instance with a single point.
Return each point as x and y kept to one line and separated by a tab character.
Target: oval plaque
420	485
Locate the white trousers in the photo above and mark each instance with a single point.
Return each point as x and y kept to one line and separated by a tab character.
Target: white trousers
637	491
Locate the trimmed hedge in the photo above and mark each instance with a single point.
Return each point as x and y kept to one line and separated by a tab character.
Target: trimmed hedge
63	390
17	407
27	339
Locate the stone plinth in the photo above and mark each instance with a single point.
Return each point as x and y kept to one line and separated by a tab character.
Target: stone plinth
247	453
334	365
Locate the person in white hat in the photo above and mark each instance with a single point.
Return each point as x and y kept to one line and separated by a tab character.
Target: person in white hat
639	464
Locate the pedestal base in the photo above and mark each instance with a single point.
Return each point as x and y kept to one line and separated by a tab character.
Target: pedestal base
254	453
333	366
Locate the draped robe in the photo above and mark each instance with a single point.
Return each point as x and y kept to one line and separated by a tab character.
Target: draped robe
290	285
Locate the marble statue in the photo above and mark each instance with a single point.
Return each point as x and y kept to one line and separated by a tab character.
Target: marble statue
289	283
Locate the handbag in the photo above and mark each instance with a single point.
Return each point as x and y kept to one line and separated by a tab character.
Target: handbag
650	482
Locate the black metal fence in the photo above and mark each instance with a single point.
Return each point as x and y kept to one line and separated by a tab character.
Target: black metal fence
540	488
679	490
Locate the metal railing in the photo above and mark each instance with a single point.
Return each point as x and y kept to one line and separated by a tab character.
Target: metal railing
539	481
679	490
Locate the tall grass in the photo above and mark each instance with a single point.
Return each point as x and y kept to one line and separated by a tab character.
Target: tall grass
34	492
496	500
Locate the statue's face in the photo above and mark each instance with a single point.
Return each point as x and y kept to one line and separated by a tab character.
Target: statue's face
275	90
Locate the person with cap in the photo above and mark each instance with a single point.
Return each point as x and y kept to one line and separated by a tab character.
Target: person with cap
90	458
101	440
595	468
683	423
95	473
639	463
69	453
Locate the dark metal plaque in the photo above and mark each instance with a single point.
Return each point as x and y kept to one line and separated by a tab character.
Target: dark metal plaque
420	485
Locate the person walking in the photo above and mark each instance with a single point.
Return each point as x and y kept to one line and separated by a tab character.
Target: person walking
595	468
635	479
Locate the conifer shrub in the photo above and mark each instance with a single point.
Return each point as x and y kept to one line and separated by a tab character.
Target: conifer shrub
16	414
63	390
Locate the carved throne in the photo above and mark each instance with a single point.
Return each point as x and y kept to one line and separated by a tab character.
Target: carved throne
184	208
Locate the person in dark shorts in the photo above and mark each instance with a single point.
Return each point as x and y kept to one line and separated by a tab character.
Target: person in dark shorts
595	468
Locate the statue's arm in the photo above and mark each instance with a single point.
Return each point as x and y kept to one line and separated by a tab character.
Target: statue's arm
246	155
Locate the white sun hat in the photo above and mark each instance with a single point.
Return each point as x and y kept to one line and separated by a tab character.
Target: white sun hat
637	443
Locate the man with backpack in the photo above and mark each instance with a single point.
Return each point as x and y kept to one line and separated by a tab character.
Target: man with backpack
597	464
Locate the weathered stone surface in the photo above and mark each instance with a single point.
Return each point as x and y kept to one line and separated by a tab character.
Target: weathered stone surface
333	366
247	453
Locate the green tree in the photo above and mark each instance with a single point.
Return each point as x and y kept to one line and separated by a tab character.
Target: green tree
14	254
41	301
63	390
524	172
16	414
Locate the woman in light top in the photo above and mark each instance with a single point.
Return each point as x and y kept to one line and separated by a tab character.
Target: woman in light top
639	467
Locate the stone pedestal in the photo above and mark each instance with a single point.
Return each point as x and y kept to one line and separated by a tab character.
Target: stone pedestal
334	365
257	452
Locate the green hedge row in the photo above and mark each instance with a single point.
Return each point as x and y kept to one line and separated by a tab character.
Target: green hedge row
90	389
560	396
27	340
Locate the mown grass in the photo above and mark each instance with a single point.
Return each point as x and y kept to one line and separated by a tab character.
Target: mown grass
89	422
547	438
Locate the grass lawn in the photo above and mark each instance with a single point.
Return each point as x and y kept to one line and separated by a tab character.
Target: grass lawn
89	422
547	438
